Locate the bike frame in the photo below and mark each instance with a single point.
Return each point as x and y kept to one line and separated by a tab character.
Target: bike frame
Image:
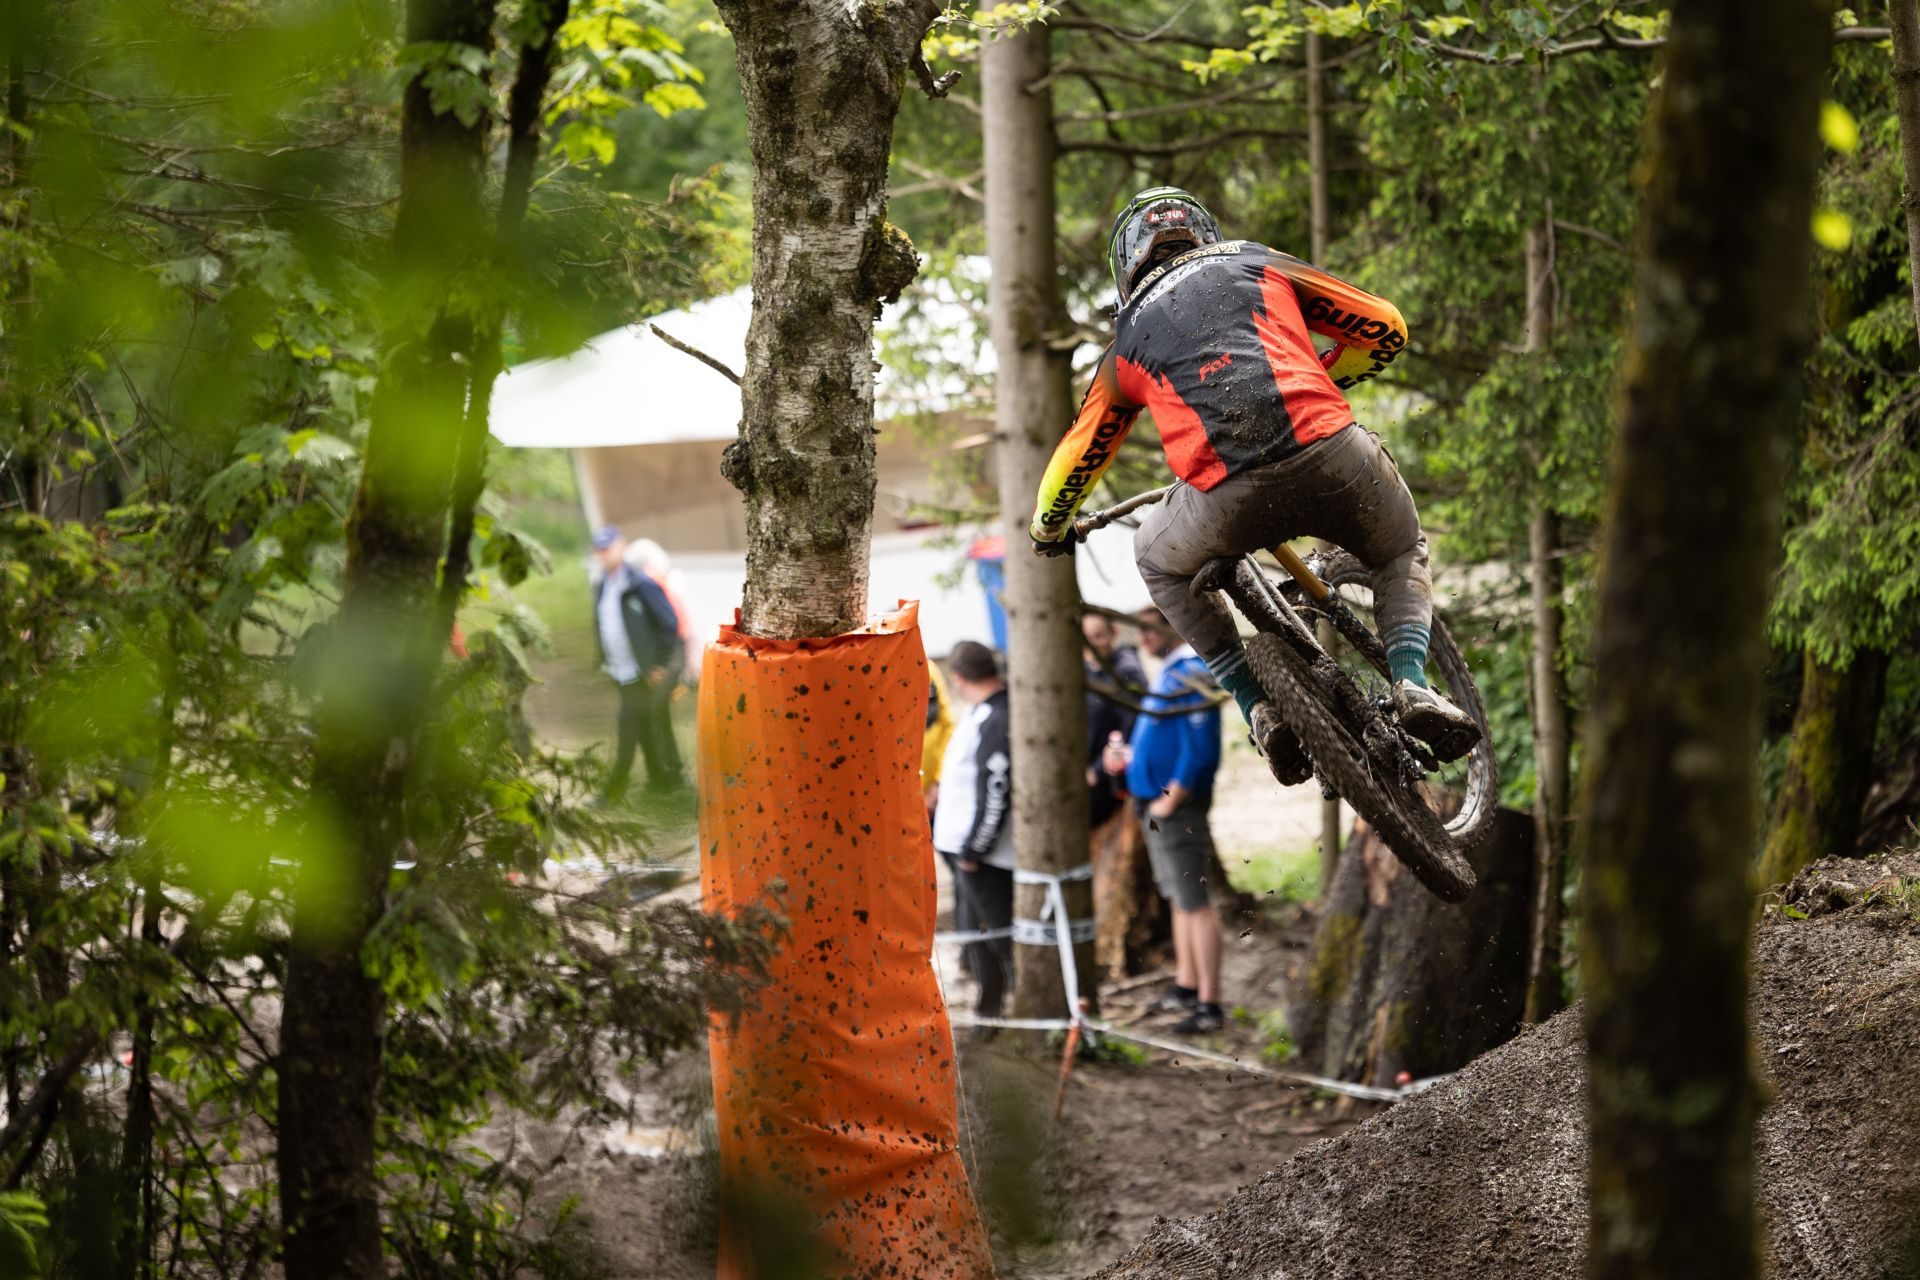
1324	600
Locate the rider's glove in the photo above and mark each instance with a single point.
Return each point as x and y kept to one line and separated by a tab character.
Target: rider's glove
1062	547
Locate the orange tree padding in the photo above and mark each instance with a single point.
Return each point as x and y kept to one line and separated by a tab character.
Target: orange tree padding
836	1095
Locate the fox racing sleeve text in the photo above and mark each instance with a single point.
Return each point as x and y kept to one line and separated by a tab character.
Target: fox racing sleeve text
1368	329
1084	454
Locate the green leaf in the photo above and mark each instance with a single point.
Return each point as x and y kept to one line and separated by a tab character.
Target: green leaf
672	97
580	141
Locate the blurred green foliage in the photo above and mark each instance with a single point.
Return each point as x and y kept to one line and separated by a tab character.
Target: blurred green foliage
195	211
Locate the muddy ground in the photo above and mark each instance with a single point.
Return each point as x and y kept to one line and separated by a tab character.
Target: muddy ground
1137	1140
1482	1177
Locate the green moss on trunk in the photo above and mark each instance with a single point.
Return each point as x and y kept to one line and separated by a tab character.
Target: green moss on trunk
1666	837
1829	764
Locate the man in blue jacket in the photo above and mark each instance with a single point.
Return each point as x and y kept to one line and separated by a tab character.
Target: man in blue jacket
640	647
1170	766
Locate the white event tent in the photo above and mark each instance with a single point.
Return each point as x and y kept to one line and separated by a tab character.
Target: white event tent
646	424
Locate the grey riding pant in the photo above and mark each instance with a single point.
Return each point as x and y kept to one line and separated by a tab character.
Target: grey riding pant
1344	489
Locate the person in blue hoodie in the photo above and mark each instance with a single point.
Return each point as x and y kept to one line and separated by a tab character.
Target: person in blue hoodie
1170	766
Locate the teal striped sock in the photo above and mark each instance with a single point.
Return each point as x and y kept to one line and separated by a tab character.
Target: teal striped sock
1236	677
1407	651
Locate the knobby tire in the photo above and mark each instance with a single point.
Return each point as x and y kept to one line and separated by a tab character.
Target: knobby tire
1479	807
1412	830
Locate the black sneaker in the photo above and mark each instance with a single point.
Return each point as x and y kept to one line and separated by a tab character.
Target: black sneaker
1175	999
1279	746
1429	717
1204	1020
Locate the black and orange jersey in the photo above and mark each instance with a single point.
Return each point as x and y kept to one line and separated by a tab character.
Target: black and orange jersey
1217	343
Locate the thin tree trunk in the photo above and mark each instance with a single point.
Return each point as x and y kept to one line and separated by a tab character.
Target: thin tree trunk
523	144
1551	736
821	83
1319	221
1906	84
26	469
1829	764
1032	399
381	663
1709	403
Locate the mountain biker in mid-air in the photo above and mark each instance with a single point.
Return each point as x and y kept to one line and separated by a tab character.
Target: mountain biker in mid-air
1213	337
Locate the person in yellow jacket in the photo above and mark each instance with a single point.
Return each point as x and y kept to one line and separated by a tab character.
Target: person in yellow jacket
939	730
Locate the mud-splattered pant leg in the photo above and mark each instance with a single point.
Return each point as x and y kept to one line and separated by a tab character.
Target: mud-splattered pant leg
1344	489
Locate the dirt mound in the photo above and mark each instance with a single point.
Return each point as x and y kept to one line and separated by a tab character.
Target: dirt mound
1483	1176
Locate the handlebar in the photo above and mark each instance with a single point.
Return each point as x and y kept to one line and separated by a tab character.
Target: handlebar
1101	519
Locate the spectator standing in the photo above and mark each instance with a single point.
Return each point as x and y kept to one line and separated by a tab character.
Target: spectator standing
650	558
972	830
640	648
1170	767
933	746
1107	663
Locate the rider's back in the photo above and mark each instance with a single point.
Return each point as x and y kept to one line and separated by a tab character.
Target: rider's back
1218	345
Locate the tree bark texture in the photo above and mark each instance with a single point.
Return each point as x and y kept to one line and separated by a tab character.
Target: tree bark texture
1666	832
384	650
1829	764
1906	84
1398	980
821	80
1131	921
1032	403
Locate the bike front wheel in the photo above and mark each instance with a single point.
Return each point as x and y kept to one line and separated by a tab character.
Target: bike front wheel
1410	828
1473	783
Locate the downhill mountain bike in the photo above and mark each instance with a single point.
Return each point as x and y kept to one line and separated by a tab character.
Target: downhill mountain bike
1337	701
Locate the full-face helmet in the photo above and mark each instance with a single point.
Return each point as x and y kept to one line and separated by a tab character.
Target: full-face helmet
1157	225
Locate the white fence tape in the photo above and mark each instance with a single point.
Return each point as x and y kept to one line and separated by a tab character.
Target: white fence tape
1054	926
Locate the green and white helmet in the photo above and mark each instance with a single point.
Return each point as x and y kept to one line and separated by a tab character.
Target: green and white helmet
1158	224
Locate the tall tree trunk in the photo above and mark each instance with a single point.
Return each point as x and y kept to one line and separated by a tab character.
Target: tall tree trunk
822	82
1829	764
382	658
1032	401
1709	402
1906	83
1551	736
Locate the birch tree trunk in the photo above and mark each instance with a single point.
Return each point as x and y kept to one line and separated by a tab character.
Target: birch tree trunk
821	80
385	645
1032	404
1708	405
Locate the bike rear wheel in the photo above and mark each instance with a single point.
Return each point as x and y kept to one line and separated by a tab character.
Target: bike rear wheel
1411	829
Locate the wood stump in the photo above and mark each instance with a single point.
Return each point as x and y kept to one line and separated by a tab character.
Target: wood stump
1132	924
1398	980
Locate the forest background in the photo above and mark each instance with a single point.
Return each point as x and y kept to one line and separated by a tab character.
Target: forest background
223	591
